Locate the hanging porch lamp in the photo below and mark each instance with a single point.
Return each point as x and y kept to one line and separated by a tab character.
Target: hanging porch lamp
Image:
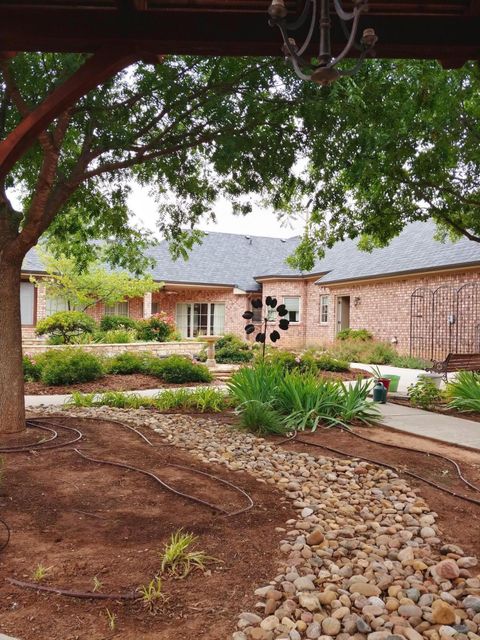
322	71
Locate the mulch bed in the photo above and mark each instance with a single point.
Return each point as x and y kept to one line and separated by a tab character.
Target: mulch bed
442	409
137	381
458	519
130	382
86	520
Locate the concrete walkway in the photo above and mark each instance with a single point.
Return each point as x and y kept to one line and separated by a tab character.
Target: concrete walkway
407	376
445	428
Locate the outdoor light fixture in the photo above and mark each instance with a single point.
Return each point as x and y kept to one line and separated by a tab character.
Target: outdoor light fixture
323	70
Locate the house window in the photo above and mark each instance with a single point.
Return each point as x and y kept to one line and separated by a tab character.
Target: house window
155	308
117	309
195	319
324	302
27	303
54	304
257	313
293	308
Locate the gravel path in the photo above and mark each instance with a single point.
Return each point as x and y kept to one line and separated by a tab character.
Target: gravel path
363	560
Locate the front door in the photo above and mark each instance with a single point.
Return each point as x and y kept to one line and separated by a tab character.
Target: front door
343	313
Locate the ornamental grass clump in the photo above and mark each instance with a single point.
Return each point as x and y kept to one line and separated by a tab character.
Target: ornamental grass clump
463	393
178	559
272	400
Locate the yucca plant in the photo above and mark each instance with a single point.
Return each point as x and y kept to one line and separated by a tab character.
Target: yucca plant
355	405
464	392
178	559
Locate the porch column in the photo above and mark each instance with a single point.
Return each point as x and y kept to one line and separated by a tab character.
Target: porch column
147	304
41	303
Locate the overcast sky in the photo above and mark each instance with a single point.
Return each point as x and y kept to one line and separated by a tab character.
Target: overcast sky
261	222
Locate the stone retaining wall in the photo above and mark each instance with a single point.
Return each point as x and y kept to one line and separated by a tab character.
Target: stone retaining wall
160	349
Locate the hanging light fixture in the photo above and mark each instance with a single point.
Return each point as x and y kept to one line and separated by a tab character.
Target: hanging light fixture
324	71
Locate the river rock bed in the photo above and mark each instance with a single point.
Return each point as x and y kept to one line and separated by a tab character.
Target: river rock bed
364	558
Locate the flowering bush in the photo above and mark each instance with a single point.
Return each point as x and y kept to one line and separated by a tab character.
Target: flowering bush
159	328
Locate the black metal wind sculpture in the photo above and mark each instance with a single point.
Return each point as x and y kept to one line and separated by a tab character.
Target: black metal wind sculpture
270	305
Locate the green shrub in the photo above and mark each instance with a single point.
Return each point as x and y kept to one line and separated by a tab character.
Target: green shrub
324	362
109	323
66	325
285	360
177	370
158	328
464	392
354	334
69	366
424	394
368	352
119	336
410	362
127	363
229	349
31	370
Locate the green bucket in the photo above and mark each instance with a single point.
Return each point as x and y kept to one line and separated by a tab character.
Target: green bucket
394	382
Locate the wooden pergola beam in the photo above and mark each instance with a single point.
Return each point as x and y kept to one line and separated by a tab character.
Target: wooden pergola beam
97	69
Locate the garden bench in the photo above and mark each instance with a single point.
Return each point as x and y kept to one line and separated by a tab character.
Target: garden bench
456	362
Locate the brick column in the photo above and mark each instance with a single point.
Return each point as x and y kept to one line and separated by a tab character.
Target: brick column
41	310
147	305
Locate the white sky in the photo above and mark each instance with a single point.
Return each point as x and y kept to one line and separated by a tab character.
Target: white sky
261	222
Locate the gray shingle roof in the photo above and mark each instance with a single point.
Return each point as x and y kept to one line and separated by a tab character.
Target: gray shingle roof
415	249
237	260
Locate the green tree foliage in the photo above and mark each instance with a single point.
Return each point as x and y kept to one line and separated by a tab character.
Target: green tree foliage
82	289
396	144
66	325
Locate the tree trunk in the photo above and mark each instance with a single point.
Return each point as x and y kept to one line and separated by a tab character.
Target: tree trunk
12	400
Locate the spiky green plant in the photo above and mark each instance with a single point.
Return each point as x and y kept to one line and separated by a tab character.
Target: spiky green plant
178	559
464	391
40	573
152	594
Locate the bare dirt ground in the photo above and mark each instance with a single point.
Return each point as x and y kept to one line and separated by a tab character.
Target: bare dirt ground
84	520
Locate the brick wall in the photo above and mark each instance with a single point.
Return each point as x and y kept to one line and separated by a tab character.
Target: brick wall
235	304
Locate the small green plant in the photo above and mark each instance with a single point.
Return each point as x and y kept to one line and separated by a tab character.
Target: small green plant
178	559
31	370
178	369
152	594
354	334
80	399
109	323
97	584
68	366
410	362
111	619
424	394
126	363
66	325
463	393
40	573
119	336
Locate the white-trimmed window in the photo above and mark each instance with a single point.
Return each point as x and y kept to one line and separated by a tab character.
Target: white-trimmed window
27	304
117	309
293	308
324	304
195	319
54	304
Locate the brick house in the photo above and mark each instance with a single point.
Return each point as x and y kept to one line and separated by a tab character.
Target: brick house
347	288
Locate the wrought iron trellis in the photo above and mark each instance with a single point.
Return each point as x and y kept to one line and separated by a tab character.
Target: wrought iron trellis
445	320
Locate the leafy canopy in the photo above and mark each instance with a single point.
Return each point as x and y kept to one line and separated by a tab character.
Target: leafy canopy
83	289
397	143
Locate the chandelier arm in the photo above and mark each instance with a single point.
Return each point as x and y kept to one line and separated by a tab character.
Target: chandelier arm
341	13
298	71
299	22
350	42
353	70
310	31
292	54
346	33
